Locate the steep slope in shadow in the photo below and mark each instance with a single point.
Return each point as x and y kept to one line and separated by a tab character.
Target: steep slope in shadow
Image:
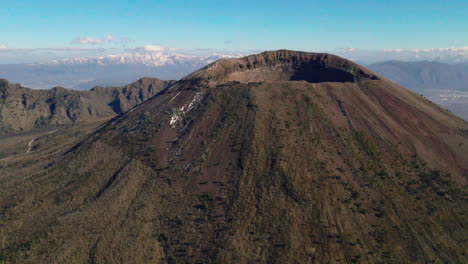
237	163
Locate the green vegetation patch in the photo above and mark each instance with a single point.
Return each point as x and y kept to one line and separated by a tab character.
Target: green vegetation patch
441	183
40	122
16	252
367	146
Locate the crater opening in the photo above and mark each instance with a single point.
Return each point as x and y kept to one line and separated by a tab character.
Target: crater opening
310	71
317	73
283	66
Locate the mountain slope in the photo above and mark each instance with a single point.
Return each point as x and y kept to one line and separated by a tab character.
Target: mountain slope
252	160
23	108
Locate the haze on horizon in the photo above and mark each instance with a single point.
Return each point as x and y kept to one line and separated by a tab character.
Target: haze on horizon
225	132
364	31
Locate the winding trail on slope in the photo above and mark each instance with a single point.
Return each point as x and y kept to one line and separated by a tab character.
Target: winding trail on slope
32	141
6	158
30	145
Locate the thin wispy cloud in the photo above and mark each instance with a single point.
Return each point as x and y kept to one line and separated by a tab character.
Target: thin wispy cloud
450	55
153	48
87	41
453	49
110	38
346	49
125	40
77	49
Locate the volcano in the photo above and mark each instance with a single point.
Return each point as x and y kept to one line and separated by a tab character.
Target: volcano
278	157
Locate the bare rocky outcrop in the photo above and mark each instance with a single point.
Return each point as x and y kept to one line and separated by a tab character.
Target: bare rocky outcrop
23	108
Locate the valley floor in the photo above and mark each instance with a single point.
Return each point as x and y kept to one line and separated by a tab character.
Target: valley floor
22	149
455	101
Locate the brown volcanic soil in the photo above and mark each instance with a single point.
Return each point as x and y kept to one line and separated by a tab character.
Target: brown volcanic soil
252	160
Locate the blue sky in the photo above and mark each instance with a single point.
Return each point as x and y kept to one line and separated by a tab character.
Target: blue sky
83	27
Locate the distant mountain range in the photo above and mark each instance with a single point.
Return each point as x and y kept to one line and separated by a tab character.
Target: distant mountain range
156	59
85	73
425	75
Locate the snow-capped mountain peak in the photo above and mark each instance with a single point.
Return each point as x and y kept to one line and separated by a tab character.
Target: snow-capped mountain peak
155	59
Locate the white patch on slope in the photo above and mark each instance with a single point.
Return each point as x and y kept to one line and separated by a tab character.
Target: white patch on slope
178	114
174	97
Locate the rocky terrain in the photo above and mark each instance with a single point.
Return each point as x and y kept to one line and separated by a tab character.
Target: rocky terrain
23	108
278	157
